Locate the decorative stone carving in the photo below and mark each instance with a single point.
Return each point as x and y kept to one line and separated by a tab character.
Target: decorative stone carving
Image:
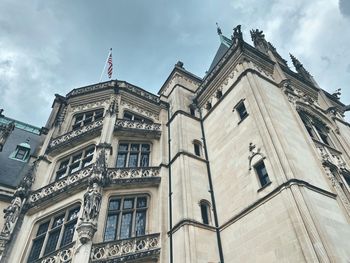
121	123
127	249
92	203
254	152
300	68
127	173
91	88
75	133
237	37
5	131
140	110
95	104
259	40
113	106
337	94
11	215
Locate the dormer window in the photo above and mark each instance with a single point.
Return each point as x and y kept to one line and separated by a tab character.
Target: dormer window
86	118
21	153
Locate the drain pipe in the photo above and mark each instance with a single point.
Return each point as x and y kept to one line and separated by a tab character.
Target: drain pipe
211	190
170	191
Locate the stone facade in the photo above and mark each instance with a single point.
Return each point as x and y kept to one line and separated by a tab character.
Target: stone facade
248	164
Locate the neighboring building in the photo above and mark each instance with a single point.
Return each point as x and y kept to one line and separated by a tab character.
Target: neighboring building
248	164
18	142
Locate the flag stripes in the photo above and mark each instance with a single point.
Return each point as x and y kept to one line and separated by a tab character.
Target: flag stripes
110	65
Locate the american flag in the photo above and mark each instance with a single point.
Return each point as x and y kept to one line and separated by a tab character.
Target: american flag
110	65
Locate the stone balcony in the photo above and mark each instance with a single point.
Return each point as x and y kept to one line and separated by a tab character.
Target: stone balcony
127	250
149	176
150	130
63	255
72	138
137	175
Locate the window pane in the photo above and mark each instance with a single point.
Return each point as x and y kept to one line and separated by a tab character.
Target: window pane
68	233
121	160
64	164
135	147
144	160
73	214
111	227
127	116
78	118
145	147
58	221
87	161
20	154
52	241
140	223
204	212
133	159
262	174
89	152
42	228
125	229
123	147
128	203
36	249
76	158
74	167
242	111
141	202
114	204
197	149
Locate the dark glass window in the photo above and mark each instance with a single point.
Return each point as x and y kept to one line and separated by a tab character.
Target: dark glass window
21	153
85	118
192	111
197	148
133	155
75	162
262	174
242	111
205	212
134	117
58	227
126	217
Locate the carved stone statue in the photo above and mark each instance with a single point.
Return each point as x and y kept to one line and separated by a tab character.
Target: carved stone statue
92	203
11	215
237	36
113	106
5	131
259	40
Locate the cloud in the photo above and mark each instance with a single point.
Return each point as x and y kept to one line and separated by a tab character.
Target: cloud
344	7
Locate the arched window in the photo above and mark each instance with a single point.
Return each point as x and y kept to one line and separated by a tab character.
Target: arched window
205	211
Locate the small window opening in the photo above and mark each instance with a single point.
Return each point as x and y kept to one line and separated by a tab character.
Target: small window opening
205	212
197	150
242	111
192	111
262	174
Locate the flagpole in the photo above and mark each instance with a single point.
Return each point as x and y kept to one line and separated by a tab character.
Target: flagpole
104	68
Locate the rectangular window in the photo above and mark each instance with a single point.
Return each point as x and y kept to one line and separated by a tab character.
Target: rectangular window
85	118
242	111
58	227
126	217
133	155
134	117
262	174
75	162
197	150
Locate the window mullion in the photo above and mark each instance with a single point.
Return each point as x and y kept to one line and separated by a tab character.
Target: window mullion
46	238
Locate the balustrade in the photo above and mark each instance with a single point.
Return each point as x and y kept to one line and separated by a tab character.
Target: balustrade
63	255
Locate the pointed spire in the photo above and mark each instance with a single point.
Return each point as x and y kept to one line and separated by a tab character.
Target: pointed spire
299	67
218	29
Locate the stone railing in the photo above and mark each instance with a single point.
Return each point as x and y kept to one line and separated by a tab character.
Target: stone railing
126	249
63	255
129	173
75	133
60	185
128	124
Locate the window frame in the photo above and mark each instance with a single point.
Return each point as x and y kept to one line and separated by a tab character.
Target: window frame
118	224
69	162
260	176
197	143
141	118
79	124
204	203
242	115
51	229
129	152
14	155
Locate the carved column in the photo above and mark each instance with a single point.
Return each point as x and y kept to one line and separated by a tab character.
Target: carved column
91	208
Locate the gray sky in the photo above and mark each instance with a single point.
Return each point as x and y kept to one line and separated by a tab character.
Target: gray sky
49	47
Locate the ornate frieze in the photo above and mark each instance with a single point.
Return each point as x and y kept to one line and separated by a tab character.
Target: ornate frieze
88	106
139	110
129	173
59	186
129	124
141	92
91	88
75	134
126	249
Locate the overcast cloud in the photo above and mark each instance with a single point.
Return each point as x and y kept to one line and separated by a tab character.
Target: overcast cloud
49	47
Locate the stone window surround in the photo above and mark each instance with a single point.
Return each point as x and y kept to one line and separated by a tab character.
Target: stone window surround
71	126
129	142
200	147
207	204
49	218
237	106
14	155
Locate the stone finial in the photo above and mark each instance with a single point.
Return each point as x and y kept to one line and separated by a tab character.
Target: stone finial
218	29
337	94
179	64
259	40
299	67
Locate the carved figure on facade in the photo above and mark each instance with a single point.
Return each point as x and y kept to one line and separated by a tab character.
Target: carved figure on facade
259	40
11	215
92	203
113	106
237	37
5	131
337	94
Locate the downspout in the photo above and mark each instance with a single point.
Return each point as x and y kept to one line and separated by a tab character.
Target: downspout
211	190
170	191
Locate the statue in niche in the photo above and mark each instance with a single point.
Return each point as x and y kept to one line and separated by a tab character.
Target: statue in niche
92	203
11	215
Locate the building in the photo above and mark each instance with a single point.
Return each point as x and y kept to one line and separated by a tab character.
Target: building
248	164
